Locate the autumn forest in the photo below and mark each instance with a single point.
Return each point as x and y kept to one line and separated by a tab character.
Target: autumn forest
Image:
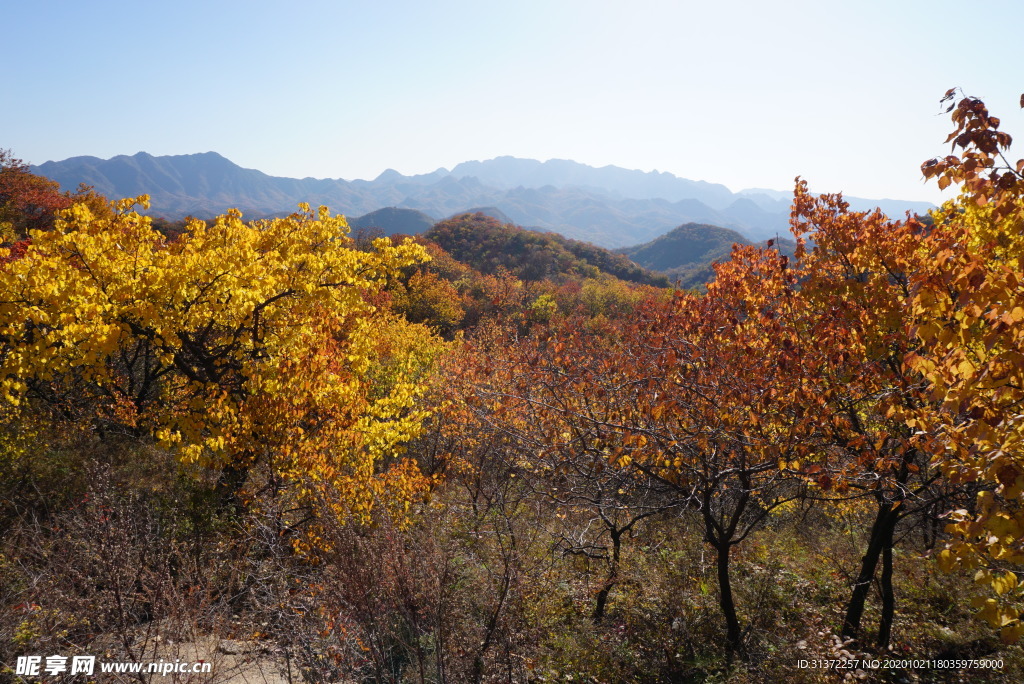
484	454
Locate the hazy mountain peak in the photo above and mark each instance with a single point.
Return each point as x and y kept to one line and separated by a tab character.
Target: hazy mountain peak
388	176
773	194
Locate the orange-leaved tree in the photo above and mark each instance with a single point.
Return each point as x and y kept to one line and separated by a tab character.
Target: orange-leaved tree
27	201
696	400
857	280
560	394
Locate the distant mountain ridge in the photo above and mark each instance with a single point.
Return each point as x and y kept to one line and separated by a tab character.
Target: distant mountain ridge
608	206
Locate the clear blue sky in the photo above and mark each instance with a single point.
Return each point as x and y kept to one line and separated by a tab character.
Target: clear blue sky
747	93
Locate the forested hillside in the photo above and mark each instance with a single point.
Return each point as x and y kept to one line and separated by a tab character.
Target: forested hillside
488	454
488	245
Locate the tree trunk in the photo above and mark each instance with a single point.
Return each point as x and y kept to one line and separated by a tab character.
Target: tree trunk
733	633
888	596
720	537
229	485
879	540
613	577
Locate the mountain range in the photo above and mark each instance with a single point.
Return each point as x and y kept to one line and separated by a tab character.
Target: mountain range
608	206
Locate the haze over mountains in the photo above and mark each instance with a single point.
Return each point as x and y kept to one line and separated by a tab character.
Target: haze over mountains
608	206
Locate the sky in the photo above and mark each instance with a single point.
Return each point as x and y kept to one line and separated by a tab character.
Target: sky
743	93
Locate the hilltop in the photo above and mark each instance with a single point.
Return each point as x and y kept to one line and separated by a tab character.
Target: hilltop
686	254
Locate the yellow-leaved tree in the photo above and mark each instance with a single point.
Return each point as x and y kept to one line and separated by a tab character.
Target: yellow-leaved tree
243	347
970	310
